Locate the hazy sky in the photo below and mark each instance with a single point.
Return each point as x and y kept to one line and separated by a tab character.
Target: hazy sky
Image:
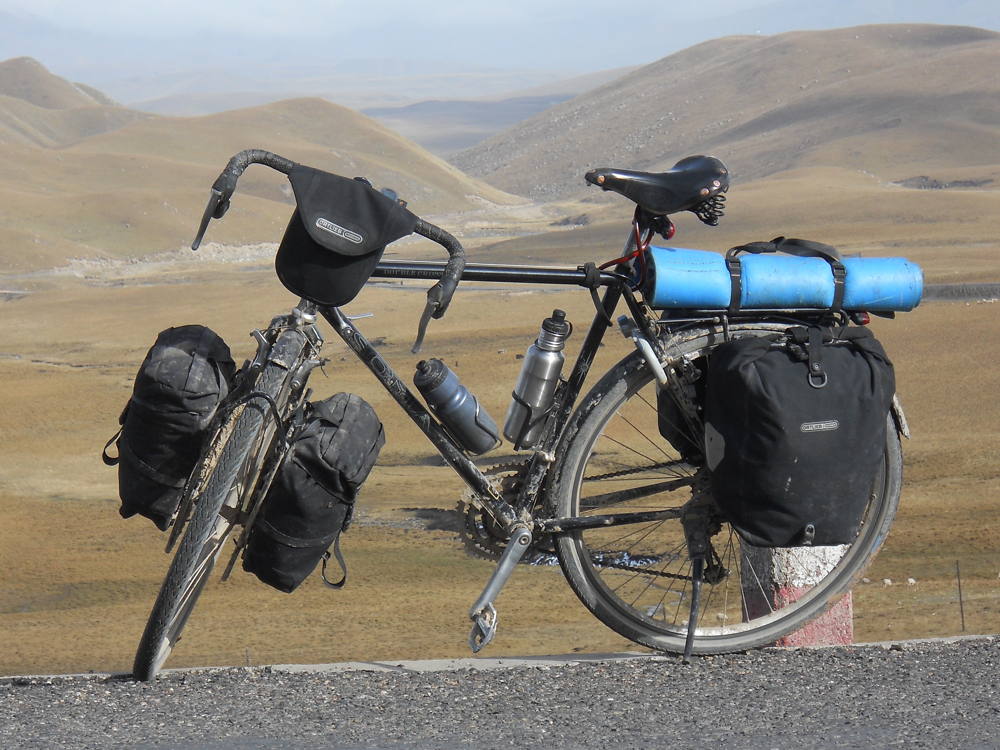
321	17
135	48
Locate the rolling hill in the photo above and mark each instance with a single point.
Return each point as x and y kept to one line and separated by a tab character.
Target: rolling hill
26	78
106	181
833	135
42	109
894	100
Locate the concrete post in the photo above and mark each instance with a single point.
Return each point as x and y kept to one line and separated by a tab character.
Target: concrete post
772	578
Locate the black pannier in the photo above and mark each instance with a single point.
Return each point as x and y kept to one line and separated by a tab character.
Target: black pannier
312	499
795	433
177	391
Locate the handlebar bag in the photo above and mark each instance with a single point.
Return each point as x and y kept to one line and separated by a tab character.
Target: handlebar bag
177	391
795	431
312	498
336	236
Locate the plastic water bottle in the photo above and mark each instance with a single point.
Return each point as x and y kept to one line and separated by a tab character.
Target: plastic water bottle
456	407
536	385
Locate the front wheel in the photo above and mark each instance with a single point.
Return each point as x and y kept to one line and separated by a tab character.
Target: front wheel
231	467
637	577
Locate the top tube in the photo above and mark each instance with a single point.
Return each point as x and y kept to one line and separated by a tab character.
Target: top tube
417	269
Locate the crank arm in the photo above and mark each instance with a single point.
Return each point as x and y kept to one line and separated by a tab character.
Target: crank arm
483	614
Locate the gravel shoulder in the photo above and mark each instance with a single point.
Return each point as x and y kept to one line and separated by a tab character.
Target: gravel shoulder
914	694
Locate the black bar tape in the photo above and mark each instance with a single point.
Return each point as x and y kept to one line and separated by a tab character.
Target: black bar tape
443	291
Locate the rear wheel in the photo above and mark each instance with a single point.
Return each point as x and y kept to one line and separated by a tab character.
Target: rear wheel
230	471
637	577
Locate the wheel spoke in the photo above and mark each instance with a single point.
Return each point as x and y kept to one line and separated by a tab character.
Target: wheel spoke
637	578
620	444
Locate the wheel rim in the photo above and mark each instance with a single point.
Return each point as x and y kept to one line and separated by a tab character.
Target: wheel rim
639	575
189	597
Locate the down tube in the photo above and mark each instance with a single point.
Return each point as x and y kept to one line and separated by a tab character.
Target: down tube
415	409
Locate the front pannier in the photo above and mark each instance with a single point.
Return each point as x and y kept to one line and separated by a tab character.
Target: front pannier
177	391
312	498
795	433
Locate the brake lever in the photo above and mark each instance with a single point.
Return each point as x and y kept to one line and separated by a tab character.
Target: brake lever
215	209
429	309
215	203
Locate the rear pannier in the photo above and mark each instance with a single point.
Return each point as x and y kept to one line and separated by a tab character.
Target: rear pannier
795	433
312	498
177	391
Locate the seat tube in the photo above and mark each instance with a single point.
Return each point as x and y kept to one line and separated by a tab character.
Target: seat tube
566	398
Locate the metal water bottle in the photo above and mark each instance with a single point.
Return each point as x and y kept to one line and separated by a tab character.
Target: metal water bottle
536	385
457	409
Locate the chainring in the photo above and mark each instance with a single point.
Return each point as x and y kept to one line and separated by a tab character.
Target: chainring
482	535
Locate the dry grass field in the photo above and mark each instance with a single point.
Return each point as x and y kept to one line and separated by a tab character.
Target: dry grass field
78	581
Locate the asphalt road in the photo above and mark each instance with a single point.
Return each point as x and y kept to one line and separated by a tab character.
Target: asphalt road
933	695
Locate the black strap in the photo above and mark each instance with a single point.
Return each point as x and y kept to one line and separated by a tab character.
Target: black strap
839	279
806	248
108	459
736	281
592	281
791	246
136	462
817	376
592	275
296	542
811	339
340	560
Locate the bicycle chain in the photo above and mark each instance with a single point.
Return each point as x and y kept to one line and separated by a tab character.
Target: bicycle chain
715	571
645	571
636	470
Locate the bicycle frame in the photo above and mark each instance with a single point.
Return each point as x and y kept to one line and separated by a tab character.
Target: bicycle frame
527	498
510	516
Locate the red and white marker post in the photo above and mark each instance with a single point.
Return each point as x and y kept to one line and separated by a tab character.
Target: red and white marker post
772	578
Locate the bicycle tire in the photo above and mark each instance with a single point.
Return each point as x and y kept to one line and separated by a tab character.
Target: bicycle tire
625	574
208	529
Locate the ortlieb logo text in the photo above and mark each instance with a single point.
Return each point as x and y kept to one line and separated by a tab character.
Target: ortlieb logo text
827	426
338	230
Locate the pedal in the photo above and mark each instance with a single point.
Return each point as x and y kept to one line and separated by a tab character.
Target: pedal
483	614
484	627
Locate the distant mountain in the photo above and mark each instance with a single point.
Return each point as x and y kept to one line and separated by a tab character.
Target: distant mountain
444	127
897	100
355	85
140	188
781	15
447	126
26	78
39	108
